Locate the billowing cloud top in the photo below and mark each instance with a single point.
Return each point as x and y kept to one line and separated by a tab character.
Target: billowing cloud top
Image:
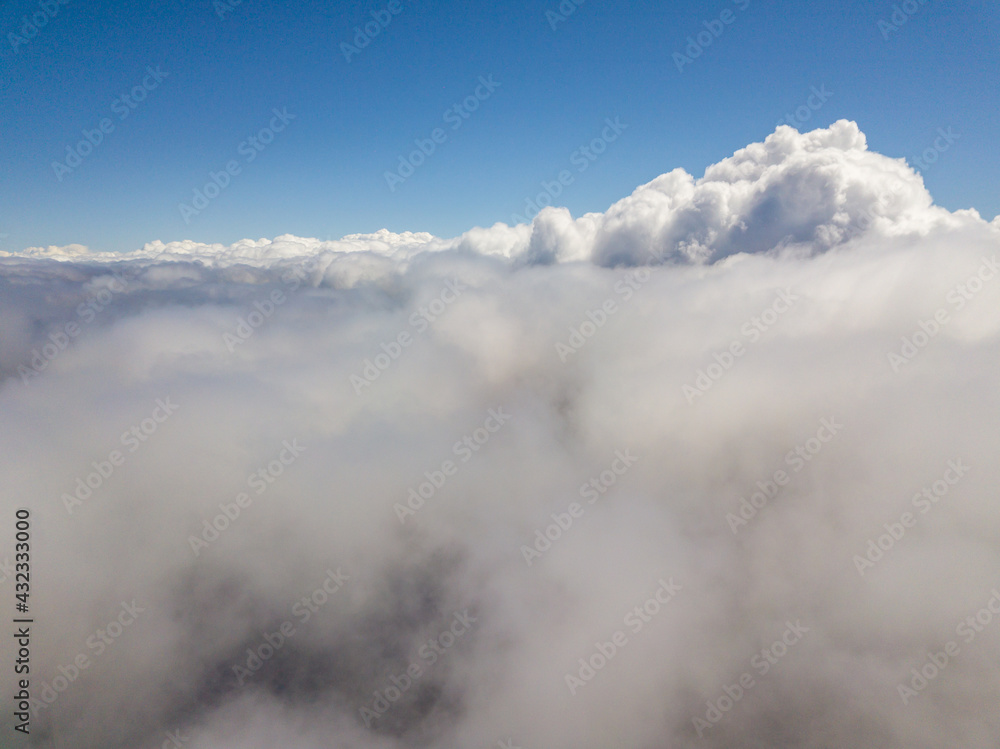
714	468
814	190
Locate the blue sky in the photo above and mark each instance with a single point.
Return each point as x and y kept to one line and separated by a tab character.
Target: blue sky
323	173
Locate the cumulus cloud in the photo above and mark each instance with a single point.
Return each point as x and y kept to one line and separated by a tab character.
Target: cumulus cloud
715	467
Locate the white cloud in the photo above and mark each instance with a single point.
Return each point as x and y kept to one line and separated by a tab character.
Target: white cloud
812	213
814	190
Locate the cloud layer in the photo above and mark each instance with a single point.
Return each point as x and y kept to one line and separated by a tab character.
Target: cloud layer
715	467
